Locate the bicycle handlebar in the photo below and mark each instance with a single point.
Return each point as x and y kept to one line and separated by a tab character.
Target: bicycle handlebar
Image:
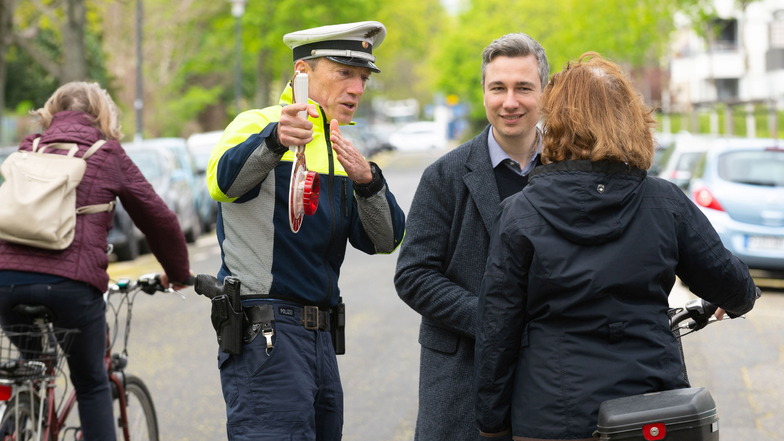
148	283
695	315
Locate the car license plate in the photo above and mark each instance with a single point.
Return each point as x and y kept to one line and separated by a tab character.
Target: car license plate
759	243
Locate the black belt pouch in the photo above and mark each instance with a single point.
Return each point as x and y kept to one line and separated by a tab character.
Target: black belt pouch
338	328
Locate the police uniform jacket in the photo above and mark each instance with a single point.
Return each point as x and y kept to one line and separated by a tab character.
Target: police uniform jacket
573	305
249	174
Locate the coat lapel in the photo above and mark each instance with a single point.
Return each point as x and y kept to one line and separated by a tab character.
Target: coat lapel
480	180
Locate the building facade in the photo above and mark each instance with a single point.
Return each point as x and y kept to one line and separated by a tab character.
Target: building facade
741	62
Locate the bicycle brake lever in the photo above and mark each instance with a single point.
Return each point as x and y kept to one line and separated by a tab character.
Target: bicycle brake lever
174	291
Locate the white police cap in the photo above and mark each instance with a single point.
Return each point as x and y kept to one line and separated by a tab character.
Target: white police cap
350	43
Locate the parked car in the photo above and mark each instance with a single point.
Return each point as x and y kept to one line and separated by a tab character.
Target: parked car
126	240
159	166
419	135
185	169
678	160
739	185
365	140
200	146
663	141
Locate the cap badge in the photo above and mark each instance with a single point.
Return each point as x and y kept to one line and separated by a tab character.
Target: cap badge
365	44
373	32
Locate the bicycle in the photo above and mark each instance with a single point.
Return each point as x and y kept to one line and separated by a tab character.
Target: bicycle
29	406
681	414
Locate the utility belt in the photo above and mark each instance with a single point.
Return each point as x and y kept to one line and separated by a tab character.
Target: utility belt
236	325
310	317
257	319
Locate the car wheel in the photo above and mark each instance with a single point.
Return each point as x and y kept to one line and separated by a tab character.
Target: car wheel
195	230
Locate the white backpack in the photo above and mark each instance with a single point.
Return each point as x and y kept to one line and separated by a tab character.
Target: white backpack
38	197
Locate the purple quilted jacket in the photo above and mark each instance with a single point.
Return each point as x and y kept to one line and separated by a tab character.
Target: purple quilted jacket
110	173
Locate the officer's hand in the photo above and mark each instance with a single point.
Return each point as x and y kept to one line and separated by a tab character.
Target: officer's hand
356	166
293	130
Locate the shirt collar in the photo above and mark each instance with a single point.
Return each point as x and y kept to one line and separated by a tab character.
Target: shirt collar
498	155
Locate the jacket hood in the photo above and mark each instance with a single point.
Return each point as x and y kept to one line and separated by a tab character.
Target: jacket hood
589	203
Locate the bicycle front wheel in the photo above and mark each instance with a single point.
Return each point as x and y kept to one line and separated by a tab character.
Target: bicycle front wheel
141	421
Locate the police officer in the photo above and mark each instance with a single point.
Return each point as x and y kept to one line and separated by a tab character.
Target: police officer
285	383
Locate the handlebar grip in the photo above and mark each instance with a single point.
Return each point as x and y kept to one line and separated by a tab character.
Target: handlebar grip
208	286
700	311
709	308
151	283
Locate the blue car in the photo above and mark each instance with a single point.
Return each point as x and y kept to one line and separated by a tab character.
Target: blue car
739	185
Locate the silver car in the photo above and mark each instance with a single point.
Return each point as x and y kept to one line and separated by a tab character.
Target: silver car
739	185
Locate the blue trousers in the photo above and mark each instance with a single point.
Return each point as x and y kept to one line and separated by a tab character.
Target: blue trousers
292	392
82	307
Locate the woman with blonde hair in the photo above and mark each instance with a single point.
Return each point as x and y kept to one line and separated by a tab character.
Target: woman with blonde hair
71	282
573	304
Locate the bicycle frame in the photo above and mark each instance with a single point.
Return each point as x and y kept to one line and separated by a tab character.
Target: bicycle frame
36	377
53	422
53	412
115	377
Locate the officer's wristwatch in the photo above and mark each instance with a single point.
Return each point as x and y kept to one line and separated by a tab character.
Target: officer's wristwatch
374	186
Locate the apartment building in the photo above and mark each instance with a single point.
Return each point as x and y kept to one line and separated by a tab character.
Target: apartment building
741	61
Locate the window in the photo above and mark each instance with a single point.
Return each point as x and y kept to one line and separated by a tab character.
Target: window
775	55
777	30
725	34
760	167
726	89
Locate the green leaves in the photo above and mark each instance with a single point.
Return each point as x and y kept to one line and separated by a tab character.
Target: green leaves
632	33
189	48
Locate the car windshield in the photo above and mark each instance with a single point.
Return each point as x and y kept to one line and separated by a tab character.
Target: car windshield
688	160
754	167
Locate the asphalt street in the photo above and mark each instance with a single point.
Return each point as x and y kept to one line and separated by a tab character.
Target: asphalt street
173	348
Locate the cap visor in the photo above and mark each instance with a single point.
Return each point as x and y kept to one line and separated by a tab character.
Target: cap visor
352	61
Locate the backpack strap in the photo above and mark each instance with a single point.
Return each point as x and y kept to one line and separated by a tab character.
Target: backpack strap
71	147
94	148
96	208
87	209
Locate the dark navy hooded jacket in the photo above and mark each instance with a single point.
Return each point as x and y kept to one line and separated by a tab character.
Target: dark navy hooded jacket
573	306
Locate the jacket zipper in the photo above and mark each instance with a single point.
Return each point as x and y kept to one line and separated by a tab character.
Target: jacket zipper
331	195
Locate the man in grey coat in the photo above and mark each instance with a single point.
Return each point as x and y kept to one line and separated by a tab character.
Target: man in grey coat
442	259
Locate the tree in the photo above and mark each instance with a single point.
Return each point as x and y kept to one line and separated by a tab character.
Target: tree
70	60
189	58
6	16
43	45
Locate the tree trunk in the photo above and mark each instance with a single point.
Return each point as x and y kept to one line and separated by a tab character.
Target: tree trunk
74	53
6	21
263	80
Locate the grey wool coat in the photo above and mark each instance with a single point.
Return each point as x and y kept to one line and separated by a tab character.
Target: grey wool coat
439	272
